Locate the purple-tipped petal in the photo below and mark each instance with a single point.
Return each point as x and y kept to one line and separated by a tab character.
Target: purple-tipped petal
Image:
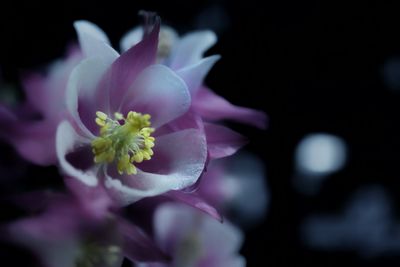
194	200
66	141
94	42
128	66
159	92
191	47
177	163
137	246
222	141
213	107
194	75
131	38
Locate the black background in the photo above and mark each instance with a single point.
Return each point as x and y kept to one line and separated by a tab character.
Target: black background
312	66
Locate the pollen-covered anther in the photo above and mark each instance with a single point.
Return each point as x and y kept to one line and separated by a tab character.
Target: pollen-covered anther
124	141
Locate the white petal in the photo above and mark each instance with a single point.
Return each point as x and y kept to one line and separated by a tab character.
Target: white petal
94	41
66	141
191	48
159	92
195	74
81	86
187	153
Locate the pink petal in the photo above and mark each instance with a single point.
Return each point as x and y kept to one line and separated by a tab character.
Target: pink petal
194	75
94	200
46	93
66	141
35	141
190	49
128	66
177	163
213	107
222	141
138	246
194	200
159	92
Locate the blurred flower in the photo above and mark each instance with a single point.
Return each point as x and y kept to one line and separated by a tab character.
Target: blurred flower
229	182
71	232
31	127
185	56
118	105
195	240
367	226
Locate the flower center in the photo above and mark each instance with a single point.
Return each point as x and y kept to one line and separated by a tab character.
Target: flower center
93	254
123	140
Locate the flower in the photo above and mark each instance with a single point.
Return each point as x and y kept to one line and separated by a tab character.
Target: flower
229	182
118	106
195	240
82	231
184	55
31	127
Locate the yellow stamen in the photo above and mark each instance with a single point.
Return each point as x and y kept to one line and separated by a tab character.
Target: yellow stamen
124	143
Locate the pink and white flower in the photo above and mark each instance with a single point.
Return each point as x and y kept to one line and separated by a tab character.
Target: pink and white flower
118	106
87	230
195	240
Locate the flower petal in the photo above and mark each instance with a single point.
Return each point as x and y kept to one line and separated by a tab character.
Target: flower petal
195	74
81	100
222	141
138	246
66	141
128	66
177	163
46	93
159	92
94	42
131	38
174	223
35	141
191	48
213	107
194	200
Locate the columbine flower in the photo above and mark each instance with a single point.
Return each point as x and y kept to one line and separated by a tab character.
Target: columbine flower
81	232
31	128
195	240
118	105
184	55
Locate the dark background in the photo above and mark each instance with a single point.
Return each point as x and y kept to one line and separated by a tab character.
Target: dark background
312	67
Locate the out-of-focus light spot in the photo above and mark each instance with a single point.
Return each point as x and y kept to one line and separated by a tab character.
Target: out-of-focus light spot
320	154
367	226
391	73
